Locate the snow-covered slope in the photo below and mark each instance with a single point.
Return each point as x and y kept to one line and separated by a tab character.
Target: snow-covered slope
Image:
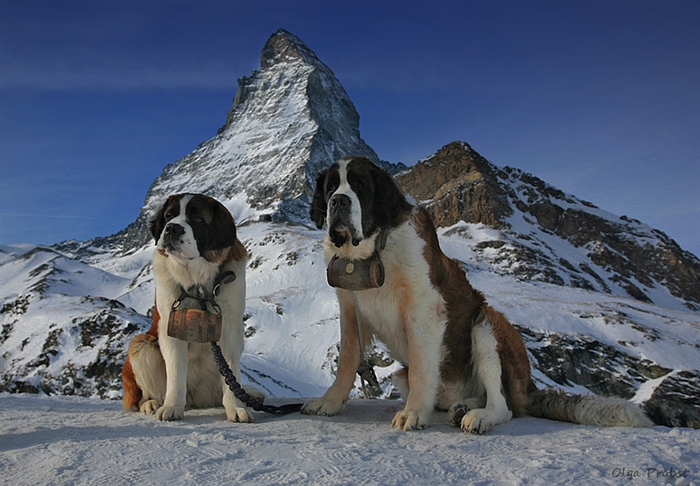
63	331
543	234
576	337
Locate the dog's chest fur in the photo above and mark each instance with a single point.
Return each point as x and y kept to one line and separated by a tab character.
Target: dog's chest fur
172	277
407	300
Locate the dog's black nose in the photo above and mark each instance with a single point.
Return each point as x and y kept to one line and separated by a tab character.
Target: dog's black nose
174	230
340	201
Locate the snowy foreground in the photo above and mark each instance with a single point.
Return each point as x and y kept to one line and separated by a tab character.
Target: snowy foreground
70	440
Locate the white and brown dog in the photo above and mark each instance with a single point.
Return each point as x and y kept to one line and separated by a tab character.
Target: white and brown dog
196	243
457	352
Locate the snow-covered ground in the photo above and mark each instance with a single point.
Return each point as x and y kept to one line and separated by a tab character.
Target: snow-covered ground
71	440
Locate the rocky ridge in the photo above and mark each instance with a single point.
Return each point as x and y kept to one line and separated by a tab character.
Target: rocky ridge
604	252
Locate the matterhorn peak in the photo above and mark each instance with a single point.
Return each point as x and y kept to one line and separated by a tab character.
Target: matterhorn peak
285	47
289	120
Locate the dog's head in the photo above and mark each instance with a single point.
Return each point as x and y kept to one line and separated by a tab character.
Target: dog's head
188	226
356	198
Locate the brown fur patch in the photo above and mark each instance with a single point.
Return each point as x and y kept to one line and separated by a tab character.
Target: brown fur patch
515	365
153	331
238	252
464	305
132	391
462	302
223	256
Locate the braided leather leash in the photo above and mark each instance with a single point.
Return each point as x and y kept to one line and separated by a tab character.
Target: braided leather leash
254	403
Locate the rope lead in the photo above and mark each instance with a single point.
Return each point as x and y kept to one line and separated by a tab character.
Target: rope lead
254	403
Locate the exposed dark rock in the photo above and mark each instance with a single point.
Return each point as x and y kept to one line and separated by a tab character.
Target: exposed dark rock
676	401
583	361
457	184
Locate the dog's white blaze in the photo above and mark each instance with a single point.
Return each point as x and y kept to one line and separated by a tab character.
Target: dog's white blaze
188	247
346	189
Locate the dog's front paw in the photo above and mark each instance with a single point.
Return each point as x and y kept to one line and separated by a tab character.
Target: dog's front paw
149	407
322	406
239	414
483	420
410	420
167	412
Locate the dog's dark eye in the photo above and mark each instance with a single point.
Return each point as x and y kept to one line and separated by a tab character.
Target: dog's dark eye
330	190
357	183
194	215
170	215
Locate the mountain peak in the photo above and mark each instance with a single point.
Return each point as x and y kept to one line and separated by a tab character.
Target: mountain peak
458	184
289	120
283	46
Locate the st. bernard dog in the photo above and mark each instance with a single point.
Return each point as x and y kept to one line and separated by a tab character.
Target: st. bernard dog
196	243
458	353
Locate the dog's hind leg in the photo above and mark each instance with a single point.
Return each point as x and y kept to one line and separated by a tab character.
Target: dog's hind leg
149	371
488	371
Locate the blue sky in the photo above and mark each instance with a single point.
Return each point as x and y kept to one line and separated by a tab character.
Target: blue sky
598	98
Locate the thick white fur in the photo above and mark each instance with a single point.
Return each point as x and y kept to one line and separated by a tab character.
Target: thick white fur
609	412
406	313
181	374
192	376
487	371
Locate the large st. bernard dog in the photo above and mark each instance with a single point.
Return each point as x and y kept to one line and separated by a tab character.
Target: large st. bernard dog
457	353
196	244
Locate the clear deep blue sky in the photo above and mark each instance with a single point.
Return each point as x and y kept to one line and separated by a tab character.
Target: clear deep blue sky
598	98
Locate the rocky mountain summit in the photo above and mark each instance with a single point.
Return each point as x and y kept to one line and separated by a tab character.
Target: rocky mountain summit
605	304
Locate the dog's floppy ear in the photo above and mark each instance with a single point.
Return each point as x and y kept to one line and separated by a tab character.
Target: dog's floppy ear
223	227
158	222
318	204
389	202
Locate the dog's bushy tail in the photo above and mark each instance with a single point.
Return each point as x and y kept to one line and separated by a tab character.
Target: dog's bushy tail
132	392
586	410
